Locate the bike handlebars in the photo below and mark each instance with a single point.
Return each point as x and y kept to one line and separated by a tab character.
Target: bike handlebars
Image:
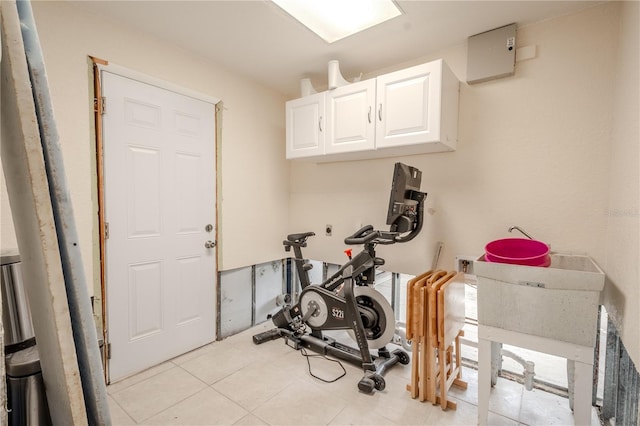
361	236
366	234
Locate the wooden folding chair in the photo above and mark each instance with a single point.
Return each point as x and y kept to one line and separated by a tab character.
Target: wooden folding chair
451	318
413	325
435	317
431	325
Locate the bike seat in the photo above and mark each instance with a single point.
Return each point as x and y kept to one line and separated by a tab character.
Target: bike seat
296	238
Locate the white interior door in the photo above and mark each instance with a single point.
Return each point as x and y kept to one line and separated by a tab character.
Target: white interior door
159	182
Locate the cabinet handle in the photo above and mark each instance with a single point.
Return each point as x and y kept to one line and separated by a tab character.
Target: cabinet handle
320	124
380	112
369	114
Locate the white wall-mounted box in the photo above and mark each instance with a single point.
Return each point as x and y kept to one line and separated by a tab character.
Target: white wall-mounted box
491	55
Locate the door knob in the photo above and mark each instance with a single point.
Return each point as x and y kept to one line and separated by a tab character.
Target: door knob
210	244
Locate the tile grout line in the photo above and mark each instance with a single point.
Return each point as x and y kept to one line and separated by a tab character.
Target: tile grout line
141	381
172	405
122	408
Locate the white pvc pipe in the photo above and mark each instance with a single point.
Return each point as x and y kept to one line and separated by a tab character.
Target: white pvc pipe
306	88
528	367
335	77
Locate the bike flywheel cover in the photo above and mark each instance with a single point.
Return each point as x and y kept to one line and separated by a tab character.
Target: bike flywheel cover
311	300
380	333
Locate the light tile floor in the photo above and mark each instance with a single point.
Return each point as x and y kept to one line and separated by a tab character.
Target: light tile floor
234	382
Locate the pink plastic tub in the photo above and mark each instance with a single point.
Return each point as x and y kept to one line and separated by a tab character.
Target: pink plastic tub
518	251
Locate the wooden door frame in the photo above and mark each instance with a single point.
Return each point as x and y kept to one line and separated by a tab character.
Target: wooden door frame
99	65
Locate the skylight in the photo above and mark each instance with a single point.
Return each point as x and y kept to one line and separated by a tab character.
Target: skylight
336	19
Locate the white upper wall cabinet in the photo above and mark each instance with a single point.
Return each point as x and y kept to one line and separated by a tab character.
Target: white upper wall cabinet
305	126
350	118
408	106
411	111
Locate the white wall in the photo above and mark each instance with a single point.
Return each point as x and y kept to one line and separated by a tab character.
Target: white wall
622	292
534	150
253	204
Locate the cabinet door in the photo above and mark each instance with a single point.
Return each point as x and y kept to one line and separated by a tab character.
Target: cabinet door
408	106
350	118
305	126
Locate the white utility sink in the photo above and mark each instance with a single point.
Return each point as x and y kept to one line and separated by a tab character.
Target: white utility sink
559	302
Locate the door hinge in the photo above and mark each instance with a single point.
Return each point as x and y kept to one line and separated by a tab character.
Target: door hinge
106	230
100	105
107	351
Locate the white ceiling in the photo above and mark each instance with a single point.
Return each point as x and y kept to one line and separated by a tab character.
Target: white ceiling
257	39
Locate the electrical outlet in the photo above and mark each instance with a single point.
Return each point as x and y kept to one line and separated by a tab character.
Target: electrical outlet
465	264
328	230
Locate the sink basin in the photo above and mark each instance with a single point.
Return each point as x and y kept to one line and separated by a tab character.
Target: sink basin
559	302
570	272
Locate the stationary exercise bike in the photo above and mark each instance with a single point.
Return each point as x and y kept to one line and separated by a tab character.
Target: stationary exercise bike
347	299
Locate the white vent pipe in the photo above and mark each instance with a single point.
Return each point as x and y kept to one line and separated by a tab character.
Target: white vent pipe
306	88
335	77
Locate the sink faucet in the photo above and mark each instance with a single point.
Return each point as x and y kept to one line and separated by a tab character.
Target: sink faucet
521	231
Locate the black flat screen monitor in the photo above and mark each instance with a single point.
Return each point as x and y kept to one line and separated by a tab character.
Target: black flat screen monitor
402	205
